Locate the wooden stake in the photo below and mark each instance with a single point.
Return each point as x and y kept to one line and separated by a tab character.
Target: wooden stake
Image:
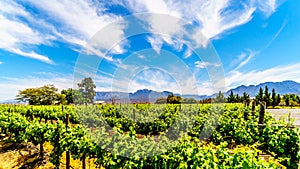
67	153
262	113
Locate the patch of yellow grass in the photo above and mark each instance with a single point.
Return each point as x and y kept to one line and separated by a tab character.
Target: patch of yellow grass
14	159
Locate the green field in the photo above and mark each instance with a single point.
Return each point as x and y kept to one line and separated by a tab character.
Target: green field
155	136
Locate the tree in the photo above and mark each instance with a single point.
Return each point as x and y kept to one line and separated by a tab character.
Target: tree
205	101
45	95
73	96
174	99
220	98
293	103
259	96
298	99
286	99
266	96
189	100
246	98
274	99
113	99
161	100
238	99
87	89
231	98
278	99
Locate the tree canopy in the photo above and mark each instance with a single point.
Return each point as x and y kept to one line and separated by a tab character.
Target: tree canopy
87	89
45	95
174	99
220	98
73	96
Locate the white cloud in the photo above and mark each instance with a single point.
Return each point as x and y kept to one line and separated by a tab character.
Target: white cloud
67	21
156	43
203	65
276	74
81	20
188	53
141	56
15	34
245	58
215	17
1	63
267	6
209	14
9	86
32	55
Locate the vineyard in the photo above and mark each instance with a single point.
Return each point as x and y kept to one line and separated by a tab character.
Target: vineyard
155	136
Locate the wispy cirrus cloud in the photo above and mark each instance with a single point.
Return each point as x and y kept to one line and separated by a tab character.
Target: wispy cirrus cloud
245	57
81	20
65	21
204	65
17	35
214	17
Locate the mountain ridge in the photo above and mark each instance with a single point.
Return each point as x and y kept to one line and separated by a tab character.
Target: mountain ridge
146	95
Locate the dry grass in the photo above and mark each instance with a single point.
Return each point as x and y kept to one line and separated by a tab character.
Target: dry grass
25	156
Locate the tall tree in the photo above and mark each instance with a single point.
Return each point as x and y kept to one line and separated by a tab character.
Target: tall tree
278	99
87	89
260	95
231	98
286	99
45	95
238	99
266	96
298	99
246	98
274	99
220	98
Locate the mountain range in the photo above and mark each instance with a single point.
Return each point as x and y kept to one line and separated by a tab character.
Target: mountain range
146	95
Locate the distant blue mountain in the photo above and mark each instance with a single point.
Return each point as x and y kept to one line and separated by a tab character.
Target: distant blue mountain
146	95
285	87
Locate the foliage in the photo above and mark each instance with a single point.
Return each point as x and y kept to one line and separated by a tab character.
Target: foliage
189	101
73	96
274	99
231	98
235	143
220	98
174	99
246	98
260	95
45	95
161	100
87	89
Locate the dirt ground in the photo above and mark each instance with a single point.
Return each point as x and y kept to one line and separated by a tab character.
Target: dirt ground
26	156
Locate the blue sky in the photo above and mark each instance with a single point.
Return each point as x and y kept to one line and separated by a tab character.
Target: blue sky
58	42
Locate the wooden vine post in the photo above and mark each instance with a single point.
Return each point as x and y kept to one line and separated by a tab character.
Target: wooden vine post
262	115
245	112
41	150
253	107
67	152
83	162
